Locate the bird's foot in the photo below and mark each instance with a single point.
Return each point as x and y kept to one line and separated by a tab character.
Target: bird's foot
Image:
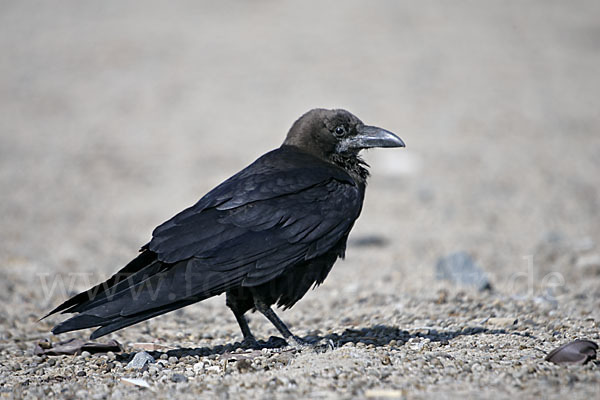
310	343
250	342
297	342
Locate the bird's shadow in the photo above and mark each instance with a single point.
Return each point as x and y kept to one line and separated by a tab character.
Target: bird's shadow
377	336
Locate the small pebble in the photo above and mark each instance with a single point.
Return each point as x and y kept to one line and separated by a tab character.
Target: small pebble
503	322
198	367
178	378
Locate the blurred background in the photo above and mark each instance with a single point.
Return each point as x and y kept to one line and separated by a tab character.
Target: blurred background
116	115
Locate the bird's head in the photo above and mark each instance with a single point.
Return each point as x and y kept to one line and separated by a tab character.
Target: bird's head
337	132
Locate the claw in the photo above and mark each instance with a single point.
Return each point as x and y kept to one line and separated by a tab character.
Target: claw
297	342
319	346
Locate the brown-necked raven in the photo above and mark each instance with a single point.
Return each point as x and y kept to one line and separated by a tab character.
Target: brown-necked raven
263	237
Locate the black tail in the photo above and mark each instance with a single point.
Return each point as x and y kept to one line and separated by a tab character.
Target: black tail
144	288
105	289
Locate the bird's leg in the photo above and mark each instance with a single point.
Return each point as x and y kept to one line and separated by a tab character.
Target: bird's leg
249	339
266	310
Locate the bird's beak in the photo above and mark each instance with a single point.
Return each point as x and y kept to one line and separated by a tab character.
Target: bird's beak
371	136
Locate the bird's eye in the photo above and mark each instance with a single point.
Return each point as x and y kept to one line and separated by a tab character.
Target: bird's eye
340	131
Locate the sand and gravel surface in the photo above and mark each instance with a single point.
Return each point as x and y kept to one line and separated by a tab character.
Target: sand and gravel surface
115	115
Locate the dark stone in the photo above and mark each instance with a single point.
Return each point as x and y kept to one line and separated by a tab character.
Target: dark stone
178	378
460	268
575	352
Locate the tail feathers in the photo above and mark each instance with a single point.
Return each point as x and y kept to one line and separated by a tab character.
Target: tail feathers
145	276
108	288
122	322
81	321
155	289
112	323
108	325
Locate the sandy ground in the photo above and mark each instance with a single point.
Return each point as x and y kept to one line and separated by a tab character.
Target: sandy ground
117	115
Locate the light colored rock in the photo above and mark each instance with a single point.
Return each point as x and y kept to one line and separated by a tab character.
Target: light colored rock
140	360
502	321
198	368
136	382
589	264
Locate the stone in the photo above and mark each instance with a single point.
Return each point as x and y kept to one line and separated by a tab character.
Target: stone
178	378
503	322
460	268
140	360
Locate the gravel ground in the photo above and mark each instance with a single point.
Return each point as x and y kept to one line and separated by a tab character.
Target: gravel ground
117	115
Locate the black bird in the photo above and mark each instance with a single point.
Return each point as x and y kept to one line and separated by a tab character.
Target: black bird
263	237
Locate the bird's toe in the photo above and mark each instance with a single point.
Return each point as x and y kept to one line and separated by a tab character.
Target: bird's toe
297	342
250	343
